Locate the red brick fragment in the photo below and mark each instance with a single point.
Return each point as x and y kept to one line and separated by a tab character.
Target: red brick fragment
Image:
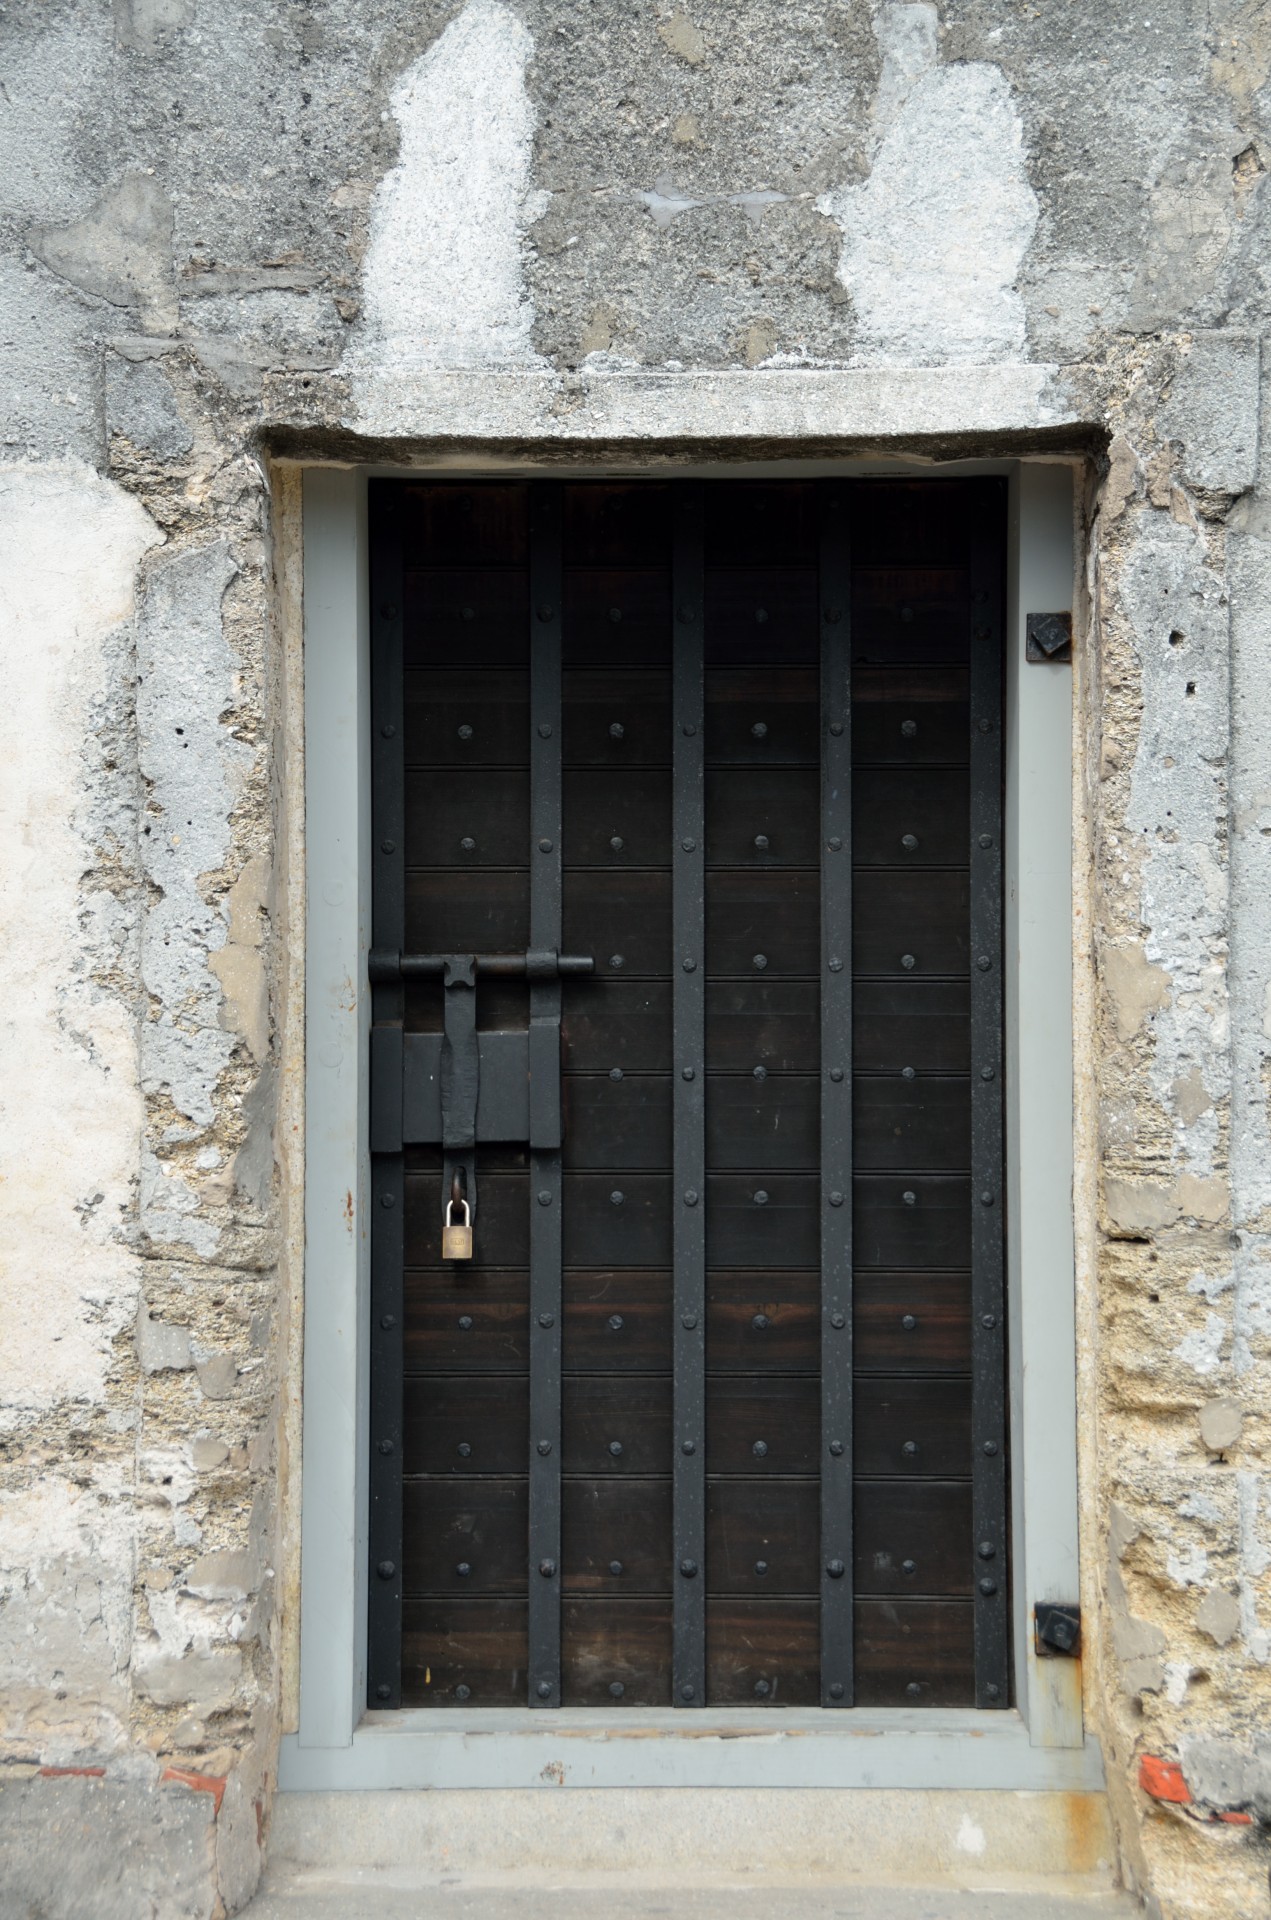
77	1773
1237	1819
200	1782
1163	1779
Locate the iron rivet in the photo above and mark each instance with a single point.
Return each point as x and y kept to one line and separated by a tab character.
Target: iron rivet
909	841
834	615
835	843
615	961
836	1199
980	597
836	1689
615	1198
988	1320
615	614
544	846
688	730
759	1073
615	1073
616	1689
763	1689
760	962
688	1693
759	730
990	1447
986	1550
906	1073
908	1322
760	1321
616	730
992	1690
913	1689
986	1073
986	726
981	633
836	728
617	843
761	616
689	1320
689	846
616	1322
545	611
760	1449
986	840
465	1321
383	1693
547	1319
986	1199
836	966
463	1569
389	612
907	961
690	1198
988	1587
688	1446
468	844
544	1689
761	1567
388	731
388	1199
838	1321
545	1197
906	614
910	1448
690	1073
462	1692
688	1568
910	1199
685	614
984	963
388	846
835	1569
544	1447
615	1448
760	1197
386	1447
836	1073
544	730
761	842
464	1450
466	613
836	1448
909	728
388	1321
690	966
465	731
615	1567
547	1568
909	1566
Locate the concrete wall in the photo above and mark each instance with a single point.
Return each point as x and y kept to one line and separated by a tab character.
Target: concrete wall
236	235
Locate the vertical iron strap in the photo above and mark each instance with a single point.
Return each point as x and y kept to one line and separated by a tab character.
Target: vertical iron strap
836	1097
388	920
688	911
988	1297
545	1164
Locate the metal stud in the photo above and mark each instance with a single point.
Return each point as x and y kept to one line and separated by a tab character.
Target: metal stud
386	1447
759	730
984	963
617	843
906	1073
544	1198
836	728
383	1693
388	731
616	1323
388	1321
986	1073
988	1587
388	1199
760	962
834	615
909	841
690	1197
763	1688
834	843
617	962
464	1450
547	1319
468	844
688	1693
547	1568
986	1199
986	1550
990	1448
759	1073
836	965
836	1689
688	1568
616	1198
690	965
910	1199
688	729
388	846
761	842
616	1689
836	1073
760	1449
908	1322
689	1073
546	611
761	616
838	1321
462	1692
615	1073
760	1197
913	1689
544	730
463	1569
761	1567
836	1448
544	846
389	613
993	1690
689	845
688	1446
615	1567
907	961
544	1689
760	1321
988	1320
615	1448
835	1569
467	613
909	1449
986	841
909	728
465	1321
544	1447
465	732
689	1322
909	1566
615	614
836	1199
616	730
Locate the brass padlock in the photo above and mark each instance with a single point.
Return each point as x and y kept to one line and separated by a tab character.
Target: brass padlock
456	1236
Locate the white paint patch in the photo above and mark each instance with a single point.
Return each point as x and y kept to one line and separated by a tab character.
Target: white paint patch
1190	1569
1201	1349
970	1837
1177	1675
70	1112
934	240
1255	1558
443	280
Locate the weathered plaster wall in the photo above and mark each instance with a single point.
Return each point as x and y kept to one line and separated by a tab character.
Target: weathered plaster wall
233	232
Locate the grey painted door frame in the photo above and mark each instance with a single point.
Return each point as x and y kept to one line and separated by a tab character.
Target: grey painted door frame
1041	1743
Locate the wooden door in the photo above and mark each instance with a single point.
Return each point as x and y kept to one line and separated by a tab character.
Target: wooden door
714	1415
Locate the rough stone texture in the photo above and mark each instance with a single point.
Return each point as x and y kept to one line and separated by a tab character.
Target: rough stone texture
232	235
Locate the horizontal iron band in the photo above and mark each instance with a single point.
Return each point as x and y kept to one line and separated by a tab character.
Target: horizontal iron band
386	967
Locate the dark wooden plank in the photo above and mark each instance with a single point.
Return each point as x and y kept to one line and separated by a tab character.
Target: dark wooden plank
640	636
617	1123
763	1425
758	818
620	1219
475	1319
763	1022
464	1537
911	1220
911	614
466	718
501	1004
763	1537
769	523
924	1024
916	917
914	1653
768	1122
761	1321
456	817
904	817
762	1653
913	1538
638	702
464	1653
616	1537
909	716
753	916
482	911
618	817
611	1021
617	523
757	616
501	1232
913	1322
915	1427
480	523
463	1318
757	718
456	618
617	1424
924	1121
616	1653
466	1424
623	917
911	522
781	1229
617	1319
